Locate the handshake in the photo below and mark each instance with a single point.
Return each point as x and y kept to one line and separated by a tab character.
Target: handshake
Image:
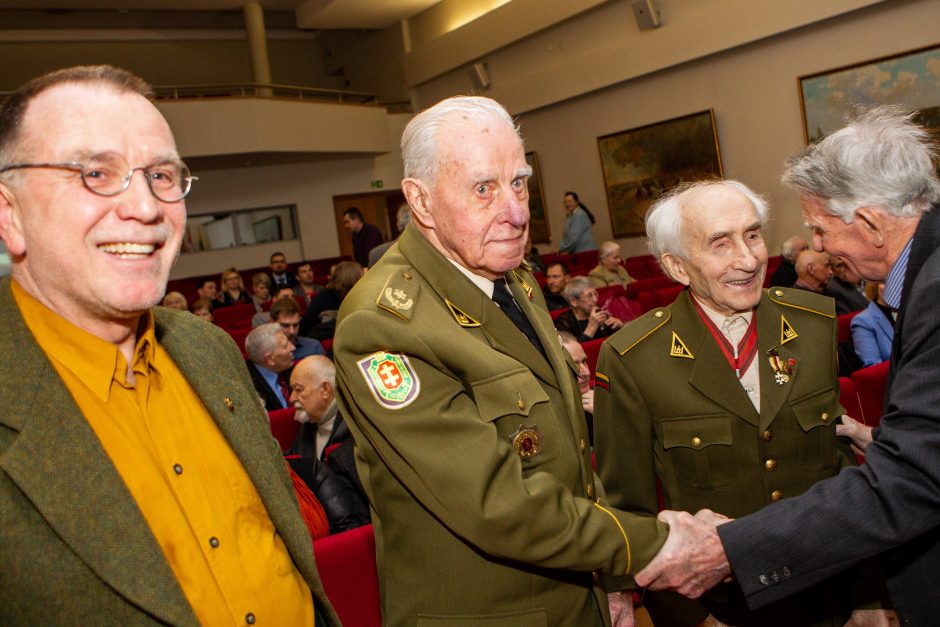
692	560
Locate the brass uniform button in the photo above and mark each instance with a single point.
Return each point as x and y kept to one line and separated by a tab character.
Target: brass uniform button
590	491
658	314
767	435
770	464
583	445
776	495
696	441
778	293
521	403
824	417
406	276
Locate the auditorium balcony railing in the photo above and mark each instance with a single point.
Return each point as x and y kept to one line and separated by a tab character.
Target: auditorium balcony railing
262	90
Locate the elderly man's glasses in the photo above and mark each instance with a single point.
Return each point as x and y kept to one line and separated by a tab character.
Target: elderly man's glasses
108	174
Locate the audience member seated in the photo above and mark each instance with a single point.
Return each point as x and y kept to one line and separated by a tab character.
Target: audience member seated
233	290
175	300
313	394
608	270
261	290
286	313
307	286
785	274
586	321
208	290
279	275
264	317
270	356
846	287
202	308
319	321
556	278
580	358
873	328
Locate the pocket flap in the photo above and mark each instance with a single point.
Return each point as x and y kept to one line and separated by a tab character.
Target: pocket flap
697	432
819	409
513	393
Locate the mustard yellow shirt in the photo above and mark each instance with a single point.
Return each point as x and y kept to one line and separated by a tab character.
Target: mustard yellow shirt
192	490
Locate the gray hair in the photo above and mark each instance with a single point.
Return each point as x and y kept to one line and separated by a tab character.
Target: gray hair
577	286
880	158
664	219
419	141
261	341
788	249
607	249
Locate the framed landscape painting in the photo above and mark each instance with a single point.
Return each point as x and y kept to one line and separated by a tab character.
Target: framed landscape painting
642	163
910	79
539	230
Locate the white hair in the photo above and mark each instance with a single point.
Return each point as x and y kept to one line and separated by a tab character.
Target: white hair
880	158
419	141
262	340
664	219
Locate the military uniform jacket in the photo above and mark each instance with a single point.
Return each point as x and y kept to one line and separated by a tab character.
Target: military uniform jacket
473	451
669	407
74	547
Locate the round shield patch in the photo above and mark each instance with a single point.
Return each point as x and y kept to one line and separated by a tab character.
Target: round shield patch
390	378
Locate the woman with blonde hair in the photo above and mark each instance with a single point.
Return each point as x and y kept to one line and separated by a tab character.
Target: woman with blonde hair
233	289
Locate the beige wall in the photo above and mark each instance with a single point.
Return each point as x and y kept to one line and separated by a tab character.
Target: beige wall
310	185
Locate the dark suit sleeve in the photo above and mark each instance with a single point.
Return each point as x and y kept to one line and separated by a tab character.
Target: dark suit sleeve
890	500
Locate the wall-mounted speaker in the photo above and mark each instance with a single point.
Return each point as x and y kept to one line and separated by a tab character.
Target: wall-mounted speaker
480	75
646	13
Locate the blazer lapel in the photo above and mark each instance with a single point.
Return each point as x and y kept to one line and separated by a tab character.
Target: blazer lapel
711	375
61	467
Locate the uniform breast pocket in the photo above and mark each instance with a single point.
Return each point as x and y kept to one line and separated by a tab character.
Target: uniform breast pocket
518	407
698	450
816	414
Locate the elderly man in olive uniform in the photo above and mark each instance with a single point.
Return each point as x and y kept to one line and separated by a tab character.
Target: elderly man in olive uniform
728	396
470	436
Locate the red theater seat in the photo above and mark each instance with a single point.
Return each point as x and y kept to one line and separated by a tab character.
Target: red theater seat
871	384
346	563
283	426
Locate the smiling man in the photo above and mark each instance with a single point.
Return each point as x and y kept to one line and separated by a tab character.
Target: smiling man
138	478
466	412
727	398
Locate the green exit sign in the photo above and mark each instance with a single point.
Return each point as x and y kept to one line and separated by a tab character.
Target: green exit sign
377	184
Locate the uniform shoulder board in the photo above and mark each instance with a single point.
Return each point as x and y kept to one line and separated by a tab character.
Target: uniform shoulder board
400	293
804	300
638	330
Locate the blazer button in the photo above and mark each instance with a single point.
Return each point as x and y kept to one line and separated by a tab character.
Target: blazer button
770	464
776	495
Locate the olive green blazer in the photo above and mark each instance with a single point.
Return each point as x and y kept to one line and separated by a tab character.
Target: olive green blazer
74	547
470	530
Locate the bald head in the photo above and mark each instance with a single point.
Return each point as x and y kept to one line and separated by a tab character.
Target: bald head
812	268
312	386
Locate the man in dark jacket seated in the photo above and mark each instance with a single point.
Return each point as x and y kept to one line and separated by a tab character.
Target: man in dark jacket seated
333	477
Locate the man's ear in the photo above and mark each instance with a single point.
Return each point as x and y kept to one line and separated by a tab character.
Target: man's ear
874	223
11	223
419	199
675	268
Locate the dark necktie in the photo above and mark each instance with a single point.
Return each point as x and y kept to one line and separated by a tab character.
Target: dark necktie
503	298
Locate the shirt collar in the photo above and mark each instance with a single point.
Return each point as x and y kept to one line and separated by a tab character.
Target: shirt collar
894	284
91	359
719	319
481	282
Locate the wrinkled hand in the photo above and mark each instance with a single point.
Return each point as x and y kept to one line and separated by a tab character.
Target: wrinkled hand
587	401
692	560
873	618
613	322
595	320
857	432
621	608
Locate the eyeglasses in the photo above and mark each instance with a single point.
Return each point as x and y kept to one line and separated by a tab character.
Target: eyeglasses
108	174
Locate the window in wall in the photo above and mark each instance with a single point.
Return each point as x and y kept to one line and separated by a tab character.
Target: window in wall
243	227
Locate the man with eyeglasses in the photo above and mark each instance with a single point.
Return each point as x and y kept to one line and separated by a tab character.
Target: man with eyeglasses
139	483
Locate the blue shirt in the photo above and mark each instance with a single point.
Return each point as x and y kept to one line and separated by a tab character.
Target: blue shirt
894	284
